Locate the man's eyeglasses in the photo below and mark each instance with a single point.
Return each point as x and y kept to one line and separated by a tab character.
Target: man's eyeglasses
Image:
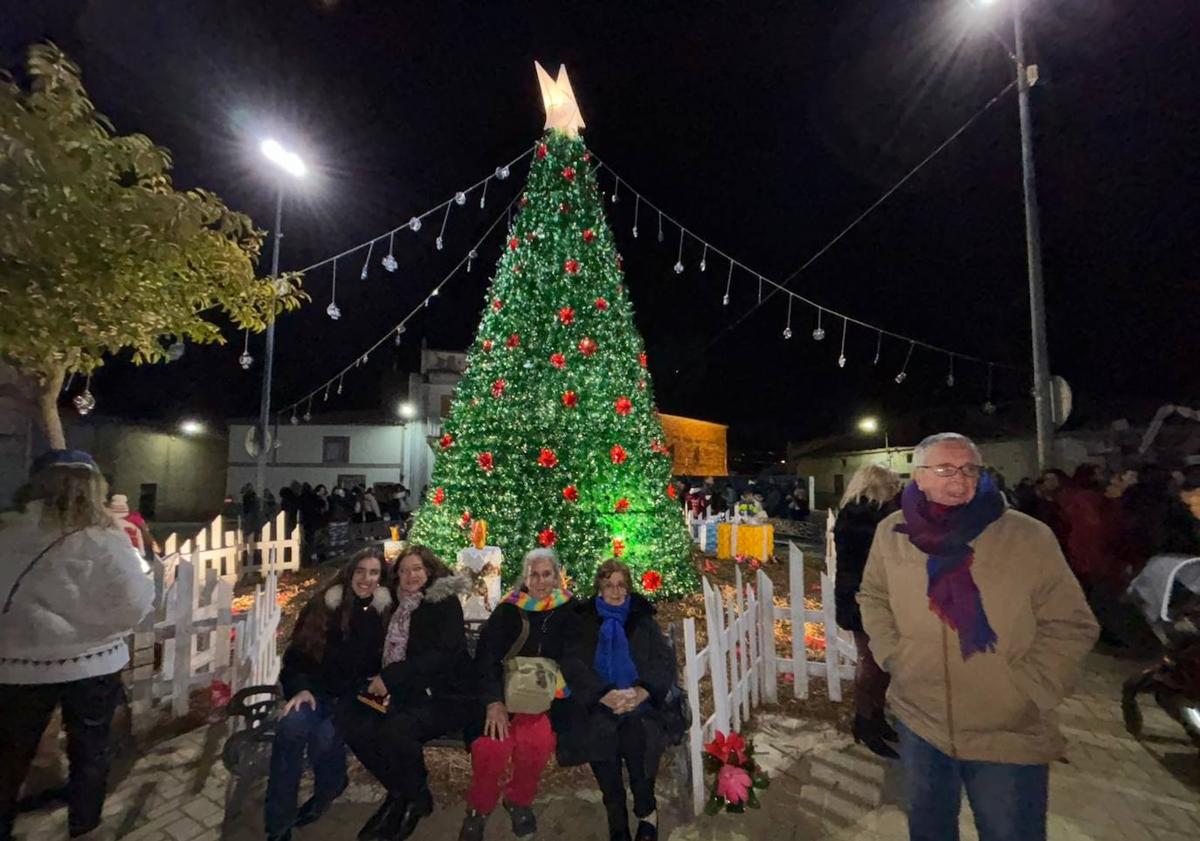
945	471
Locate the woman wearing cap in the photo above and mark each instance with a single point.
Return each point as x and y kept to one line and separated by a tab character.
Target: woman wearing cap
73	588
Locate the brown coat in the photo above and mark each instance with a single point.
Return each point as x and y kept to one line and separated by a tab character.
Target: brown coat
994	707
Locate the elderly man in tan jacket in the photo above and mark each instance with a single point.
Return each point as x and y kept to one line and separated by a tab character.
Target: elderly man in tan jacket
971	608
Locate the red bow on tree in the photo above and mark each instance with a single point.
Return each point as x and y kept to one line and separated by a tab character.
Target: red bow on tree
547	537
566	315
623	406
651	580
618	454
486	461
570	494
547	458
447	441
439	496
558	361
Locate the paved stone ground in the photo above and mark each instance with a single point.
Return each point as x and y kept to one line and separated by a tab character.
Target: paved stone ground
824	789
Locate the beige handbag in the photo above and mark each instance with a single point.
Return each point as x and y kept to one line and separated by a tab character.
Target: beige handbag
530	683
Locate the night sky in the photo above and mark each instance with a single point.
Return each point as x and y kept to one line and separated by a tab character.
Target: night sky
764	127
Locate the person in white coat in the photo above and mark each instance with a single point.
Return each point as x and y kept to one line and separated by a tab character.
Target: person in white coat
72	589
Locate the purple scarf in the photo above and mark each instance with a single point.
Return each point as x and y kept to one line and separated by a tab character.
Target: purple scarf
944	534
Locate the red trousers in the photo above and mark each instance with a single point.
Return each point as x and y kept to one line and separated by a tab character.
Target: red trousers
529	745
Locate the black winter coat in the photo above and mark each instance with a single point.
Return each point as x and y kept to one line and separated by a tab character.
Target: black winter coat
587	730
347	661
436	665
555	634
852	534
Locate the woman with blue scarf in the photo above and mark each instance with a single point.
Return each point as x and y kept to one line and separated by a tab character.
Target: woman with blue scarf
636	669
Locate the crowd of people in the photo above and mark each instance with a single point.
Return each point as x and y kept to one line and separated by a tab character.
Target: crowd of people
756	499
379	662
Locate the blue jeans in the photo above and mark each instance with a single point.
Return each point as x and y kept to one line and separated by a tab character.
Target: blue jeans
302	729
1009	800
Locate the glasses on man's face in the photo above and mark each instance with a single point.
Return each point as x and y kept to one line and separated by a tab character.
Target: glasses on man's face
945	471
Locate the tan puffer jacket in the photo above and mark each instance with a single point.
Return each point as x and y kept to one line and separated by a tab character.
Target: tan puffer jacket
993	707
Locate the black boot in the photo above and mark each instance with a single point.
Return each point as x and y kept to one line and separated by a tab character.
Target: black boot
524	822
646	831
383	815
886	730
314	807
403	822
472	826
867	732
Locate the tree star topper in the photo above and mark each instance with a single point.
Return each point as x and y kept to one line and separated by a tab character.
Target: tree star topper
562	112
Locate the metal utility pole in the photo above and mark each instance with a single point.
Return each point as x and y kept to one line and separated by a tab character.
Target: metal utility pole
264	414
1026	77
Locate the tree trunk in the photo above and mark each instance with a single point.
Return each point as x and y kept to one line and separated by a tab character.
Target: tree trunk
48	403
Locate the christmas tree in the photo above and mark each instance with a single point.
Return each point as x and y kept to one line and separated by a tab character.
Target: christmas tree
553	437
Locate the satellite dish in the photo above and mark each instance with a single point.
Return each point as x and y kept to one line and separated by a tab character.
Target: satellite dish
1060	401
251	442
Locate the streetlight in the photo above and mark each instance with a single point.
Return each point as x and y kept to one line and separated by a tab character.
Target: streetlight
871	426
1026	77
289	162
406	410
191	426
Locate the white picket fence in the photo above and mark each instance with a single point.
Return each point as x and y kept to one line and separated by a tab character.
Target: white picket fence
741	660
231	554
201	640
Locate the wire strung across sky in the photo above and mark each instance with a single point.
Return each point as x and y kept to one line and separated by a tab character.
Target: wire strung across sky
776	287
396	330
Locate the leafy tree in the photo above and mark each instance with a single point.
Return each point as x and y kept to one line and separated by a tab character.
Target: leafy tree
553	438
99	253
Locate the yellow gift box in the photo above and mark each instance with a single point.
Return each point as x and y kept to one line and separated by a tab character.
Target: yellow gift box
752	541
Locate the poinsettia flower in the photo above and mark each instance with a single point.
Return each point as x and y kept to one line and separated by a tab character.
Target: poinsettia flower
566	315
618	547
558	361
724	747
570	399
568	173
488	344
514	341
547	458
623	406
497	304
755	564
541	151
570	493
514	244
447	441
547	537
671	492
587	346
642	359
601	304
733	784
618	454
622	505
588	235
439	496
465	519
651	580
709	567
486	461
498	388
571	266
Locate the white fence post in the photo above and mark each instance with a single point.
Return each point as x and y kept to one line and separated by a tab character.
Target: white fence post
833	677
693	670
796	615
766	631
717	669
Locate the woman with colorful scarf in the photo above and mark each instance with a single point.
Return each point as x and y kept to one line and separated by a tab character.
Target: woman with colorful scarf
624	724
525	741
423	689
972	610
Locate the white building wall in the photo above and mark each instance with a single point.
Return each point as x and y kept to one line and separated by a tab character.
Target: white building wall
381	453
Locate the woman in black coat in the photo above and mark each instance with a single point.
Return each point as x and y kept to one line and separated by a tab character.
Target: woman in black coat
335	648
873	493
423	687
622	721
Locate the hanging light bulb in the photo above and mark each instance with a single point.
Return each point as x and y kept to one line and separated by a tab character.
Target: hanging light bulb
414	224
483	195
787	331
989	408
308	411
616	189
472	256
842	350
389	259
950	375
460	198
294	420
679	258
175	351
704	258
637	206
728	286
901	377
819	333
245	360
333	311
85	401
842	361
501	172
367	262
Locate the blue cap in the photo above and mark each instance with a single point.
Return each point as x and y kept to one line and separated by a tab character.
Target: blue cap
64	458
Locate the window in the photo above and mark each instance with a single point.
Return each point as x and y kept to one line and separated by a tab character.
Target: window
910	455
351	480
335	449
147	500
839	484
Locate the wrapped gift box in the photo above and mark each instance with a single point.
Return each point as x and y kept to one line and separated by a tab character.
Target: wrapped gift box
741	539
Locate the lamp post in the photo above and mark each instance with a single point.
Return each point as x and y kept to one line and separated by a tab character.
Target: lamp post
1026	78
290	163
